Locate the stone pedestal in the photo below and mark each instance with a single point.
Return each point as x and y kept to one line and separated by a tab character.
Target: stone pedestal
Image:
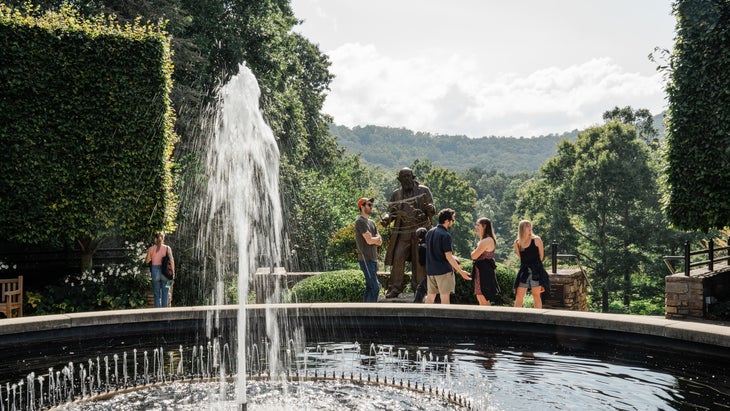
568	290
268	283
690	296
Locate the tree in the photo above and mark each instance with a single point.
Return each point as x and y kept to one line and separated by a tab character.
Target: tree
699	116
641	119
612	185
597	193
497	200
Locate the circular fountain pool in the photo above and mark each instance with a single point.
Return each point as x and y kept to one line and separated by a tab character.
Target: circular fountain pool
408	357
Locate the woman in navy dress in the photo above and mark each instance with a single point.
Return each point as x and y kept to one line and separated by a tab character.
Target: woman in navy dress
486	286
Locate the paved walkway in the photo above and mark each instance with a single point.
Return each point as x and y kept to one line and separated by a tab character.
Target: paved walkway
402	298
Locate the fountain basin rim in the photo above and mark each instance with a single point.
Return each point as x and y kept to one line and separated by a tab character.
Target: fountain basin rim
716	334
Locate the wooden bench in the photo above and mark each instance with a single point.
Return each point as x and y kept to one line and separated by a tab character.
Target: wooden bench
11	297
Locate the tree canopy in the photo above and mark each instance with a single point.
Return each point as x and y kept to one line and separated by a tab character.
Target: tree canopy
600	196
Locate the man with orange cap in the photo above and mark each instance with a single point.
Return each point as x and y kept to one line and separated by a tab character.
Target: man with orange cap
368	240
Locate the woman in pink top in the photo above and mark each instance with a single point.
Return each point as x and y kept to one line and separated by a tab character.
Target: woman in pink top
154	258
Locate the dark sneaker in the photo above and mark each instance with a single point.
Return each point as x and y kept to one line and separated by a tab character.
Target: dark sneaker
392	294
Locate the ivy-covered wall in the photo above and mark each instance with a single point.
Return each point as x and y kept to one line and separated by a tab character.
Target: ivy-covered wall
86	129
699	116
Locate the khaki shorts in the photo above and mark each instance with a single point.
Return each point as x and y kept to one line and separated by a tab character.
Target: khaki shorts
442	283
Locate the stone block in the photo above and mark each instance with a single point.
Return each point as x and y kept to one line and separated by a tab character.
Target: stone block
677	287
672	299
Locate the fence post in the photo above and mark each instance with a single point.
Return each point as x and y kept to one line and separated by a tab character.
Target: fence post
686	258
711	253
554	255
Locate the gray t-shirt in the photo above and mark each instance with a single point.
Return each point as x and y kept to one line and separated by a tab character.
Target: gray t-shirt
365	251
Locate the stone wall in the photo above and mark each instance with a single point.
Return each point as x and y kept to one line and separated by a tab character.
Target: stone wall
568	290
689	296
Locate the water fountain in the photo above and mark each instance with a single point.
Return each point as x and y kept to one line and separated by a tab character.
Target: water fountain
325	356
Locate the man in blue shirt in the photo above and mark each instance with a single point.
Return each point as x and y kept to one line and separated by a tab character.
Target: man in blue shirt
440	261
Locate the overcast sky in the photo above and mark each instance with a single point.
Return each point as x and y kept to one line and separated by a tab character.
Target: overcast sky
488	67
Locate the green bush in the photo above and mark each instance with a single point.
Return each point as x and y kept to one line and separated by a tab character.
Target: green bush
341	247
346	286
114	287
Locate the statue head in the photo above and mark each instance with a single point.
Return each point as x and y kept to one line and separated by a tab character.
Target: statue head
405	176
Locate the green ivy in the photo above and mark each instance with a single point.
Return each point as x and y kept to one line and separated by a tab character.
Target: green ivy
699	116
86	128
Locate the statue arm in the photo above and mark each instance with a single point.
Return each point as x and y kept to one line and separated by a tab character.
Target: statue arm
391	212
429	208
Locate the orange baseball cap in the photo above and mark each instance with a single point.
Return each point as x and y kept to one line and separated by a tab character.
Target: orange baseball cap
361	202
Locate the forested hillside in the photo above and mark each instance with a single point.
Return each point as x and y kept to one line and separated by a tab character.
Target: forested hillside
392	148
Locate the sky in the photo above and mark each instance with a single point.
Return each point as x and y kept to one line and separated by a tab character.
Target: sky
518	68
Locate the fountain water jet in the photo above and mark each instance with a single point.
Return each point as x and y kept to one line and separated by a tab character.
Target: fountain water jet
241	214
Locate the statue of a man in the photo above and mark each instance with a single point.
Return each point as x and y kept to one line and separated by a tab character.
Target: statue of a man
410	207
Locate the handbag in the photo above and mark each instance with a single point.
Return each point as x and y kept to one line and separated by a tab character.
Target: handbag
167	271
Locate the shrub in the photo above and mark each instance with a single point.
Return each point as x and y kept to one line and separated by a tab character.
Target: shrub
114	287
341	247
332	286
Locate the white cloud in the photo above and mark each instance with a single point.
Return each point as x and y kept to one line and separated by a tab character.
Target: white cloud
454	94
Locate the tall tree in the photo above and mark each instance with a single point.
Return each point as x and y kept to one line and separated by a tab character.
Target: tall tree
598	192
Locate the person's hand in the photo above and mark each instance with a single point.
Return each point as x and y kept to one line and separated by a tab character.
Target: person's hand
465	275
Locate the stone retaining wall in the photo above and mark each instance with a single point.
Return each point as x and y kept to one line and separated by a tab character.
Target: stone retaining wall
689	296
568	290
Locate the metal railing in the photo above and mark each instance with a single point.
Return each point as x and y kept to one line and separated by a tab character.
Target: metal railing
554	260
710	251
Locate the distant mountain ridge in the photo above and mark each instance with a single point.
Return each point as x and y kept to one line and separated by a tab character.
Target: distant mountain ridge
392	148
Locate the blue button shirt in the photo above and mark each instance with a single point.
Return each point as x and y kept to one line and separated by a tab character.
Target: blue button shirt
438	243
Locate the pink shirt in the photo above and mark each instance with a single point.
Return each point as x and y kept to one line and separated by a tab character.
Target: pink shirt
158	254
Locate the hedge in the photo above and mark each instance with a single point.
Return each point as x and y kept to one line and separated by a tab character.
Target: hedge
86	129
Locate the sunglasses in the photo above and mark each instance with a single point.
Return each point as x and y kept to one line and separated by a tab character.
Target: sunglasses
369	204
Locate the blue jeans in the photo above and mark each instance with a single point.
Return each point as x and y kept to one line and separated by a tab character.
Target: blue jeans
159	286
372	286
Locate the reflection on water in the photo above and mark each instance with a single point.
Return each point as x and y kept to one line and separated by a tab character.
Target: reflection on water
395	376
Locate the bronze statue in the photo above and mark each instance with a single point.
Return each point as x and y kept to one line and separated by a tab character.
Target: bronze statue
411	207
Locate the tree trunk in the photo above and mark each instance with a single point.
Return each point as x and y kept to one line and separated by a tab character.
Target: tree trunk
604	300
88	248
627	288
